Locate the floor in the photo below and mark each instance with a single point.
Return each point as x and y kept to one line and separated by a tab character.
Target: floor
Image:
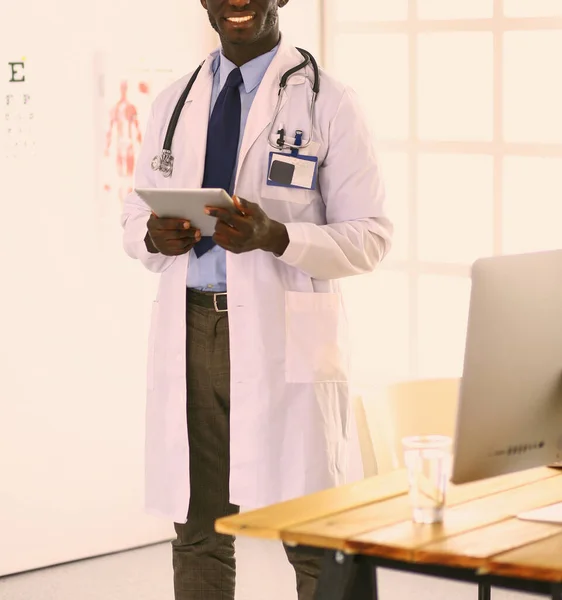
145	574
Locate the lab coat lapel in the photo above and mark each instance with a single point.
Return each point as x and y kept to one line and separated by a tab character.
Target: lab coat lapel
265	102
196	120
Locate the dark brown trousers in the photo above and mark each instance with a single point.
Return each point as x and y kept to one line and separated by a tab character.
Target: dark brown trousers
203	560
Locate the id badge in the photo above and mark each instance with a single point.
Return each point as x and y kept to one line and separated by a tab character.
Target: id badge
288	170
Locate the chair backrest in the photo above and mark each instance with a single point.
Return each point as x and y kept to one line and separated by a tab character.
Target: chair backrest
364	434
422	407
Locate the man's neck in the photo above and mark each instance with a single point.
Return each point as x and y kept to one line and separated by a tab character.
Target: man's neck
240	54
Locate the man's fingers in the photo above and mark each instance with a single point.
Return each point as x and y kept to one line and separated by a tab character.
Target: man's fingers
178	246
246	207
169	224
173	238
217	212
187	237
189	243
242	205
224	242
174	234
224	214
227	230
239	222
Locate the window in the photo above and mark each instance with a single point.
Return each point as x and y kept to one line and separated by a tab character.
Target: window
389	66
455	86
464	103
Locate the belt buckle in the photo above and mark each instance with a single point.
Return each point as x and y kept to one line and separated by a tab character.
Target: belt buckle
217	309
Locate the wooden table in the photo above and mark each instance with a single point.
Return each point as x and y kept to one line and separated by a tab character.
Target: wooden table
368	524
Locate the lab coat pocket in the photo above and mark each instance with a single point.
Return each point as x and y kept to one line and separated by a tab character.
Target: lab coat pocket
152	346
287	194
315	347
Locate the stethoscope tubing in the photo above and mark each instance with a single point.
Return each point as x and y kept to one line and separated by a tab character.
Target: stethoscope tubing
165	162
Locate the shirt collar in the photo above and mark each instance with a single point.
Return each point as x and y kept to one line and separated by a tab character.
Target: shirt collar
252	72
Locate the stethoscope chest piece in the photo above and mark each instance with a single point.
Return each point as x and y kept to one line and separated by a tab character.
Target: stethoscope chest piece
164	163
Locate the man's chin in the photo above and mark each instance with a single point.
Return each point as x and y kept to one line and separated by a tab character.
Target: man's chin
237	38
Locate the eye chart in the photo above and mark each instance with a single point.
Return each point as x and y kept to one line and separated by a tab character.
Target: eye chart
18	118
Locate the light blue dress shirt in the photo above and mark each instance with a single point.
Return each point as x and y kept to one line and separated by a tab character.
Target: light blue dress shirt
208	272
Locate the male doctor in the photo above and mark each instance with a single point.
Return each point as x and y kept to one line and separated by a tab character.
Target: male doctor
248	379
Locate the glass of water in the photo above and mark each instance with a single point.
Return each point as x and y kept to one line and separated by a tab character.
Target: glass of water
428	461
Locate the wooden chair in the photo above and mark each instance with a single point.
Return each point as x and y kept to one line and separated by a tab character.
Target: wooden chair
384	417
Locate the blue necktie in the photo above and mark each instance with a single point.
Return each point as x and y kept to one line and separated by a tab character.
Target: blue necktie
222	144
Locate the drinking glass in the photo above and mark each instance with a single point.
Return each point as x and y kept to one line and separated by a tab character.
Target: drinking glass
428	461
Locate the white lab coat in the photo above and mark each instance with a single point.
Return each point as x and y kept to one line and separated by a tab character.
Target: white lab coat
290	408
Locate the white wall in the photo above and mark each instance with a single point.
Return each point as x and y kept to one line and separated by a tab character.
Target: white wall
300	21
74	311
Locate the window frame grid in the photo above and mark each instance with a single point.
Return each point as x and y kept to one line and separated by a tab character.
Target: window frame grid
498	24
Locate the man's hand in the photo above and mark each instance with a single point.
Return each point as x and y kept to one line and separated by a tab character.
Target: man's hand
249	229
171	237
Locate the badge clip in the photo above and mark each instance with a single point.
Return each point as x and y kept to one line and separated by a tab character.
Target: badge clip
298	142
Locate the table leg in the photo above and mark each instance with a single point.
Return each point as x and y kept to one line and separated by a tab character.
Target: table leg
375	583
557	591
484	590
346	577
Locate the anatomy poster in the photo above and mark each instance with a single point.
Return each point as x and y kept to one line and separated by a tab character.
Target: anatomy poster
126	93
18	122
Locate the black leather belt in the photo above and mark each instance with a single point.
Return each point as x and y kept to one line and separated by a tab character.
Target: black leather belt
216	302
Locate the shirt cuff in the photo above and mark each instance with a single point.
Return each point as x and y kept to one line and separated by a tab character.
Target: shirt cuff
297	243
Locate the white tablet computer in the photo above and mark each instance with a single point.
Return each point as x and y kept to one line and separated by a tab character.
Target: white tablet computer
187	204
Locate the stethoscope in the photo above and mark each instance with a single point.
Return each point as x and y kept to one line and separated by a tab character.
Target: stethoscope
165	162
